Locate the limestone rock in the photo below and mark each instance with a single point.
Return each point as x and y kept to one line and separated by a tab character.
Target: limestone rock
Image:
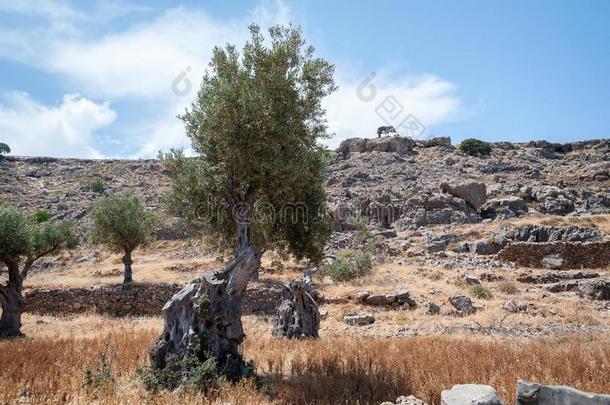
474	193
470	394
358	319
536	394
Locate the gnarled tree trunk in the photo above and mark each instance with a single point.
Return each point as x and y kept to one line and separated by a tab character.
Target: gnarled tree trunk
298	316
204	318
12	304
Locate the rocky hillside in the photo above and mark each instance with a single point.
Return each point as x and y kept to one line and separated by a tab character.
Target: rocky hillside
395	184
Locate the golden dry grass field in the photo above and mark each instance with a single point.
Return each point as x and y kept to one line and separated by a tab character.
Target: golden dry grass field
50	365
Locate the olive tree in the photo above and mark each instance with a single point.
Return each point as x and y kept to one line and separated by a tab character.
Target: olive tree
4	149
122	223
22	242
256	184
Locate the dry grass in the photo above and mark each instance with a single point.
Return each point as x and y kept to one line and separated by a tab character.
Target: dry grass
50	365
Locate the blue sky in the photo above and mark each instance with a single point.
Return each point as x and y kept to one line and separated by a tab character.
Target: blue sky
94	78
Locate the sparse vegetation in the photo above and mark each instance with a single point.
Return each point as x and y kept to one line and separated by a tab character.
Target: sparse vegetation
348	266
97	186
475	147
478	291
41	216
122	223
508	287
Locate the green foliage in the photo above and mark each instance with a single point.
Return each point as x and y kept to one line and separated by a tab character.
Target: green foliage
21	237
200	372
386	130
4	149
41	216
121	222
348	266
102	376
97	186
475	147
478	291
256	124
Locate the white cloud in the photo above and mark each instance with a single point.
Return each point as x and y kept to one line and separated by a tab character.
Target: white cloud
141	62
430	99
65	130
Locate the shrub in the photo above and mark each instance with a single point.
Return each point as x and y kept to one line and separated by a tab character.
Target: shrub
349	265
478	291
100	377
475	147
97	186
4	149
507	287
41	216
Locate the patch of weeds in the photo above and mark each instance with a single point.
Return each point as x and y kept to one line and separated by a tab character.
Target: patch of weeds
478	291
508	287
102	377
348	266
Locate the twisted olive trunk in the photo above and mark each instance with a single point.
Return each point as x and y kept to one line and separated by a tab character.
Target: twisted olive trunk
204	318
127	262
12	303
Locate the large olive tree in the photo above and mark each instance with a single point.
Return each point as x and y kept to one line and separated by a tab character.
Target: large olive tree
22	242
256	184
122	223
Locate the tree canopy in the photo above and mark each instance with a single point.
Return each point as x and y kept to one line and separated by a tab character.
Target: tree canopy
256	125
4	149
121	222
22	239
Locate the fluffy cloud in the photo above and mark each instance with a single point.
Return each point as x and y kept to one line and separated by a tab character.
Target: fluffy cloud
157	64
65	130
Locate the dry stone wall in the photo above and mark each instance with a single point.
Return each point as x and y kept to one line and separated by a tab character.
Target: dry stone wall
558	255
131	300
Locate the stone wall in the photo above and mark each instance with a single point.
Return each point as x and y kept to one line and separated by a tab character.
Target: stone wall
131	300
558	255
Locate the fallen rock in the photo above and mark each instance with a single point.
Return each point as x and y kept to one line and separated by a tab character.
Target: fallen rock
358	319
432	308
474	193
499	206
516	306
529	393
470	394
410	400
598	290
462	303
380	299
403	297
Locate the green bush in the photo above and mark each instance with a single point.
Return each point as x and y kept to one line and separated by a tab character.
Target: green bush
97	186
349	265
4	149
475	147
41	216
478	291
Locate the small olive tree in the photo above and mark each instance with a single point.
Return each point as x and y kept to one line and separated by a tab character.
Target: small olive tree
22	242
122	223
4	149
